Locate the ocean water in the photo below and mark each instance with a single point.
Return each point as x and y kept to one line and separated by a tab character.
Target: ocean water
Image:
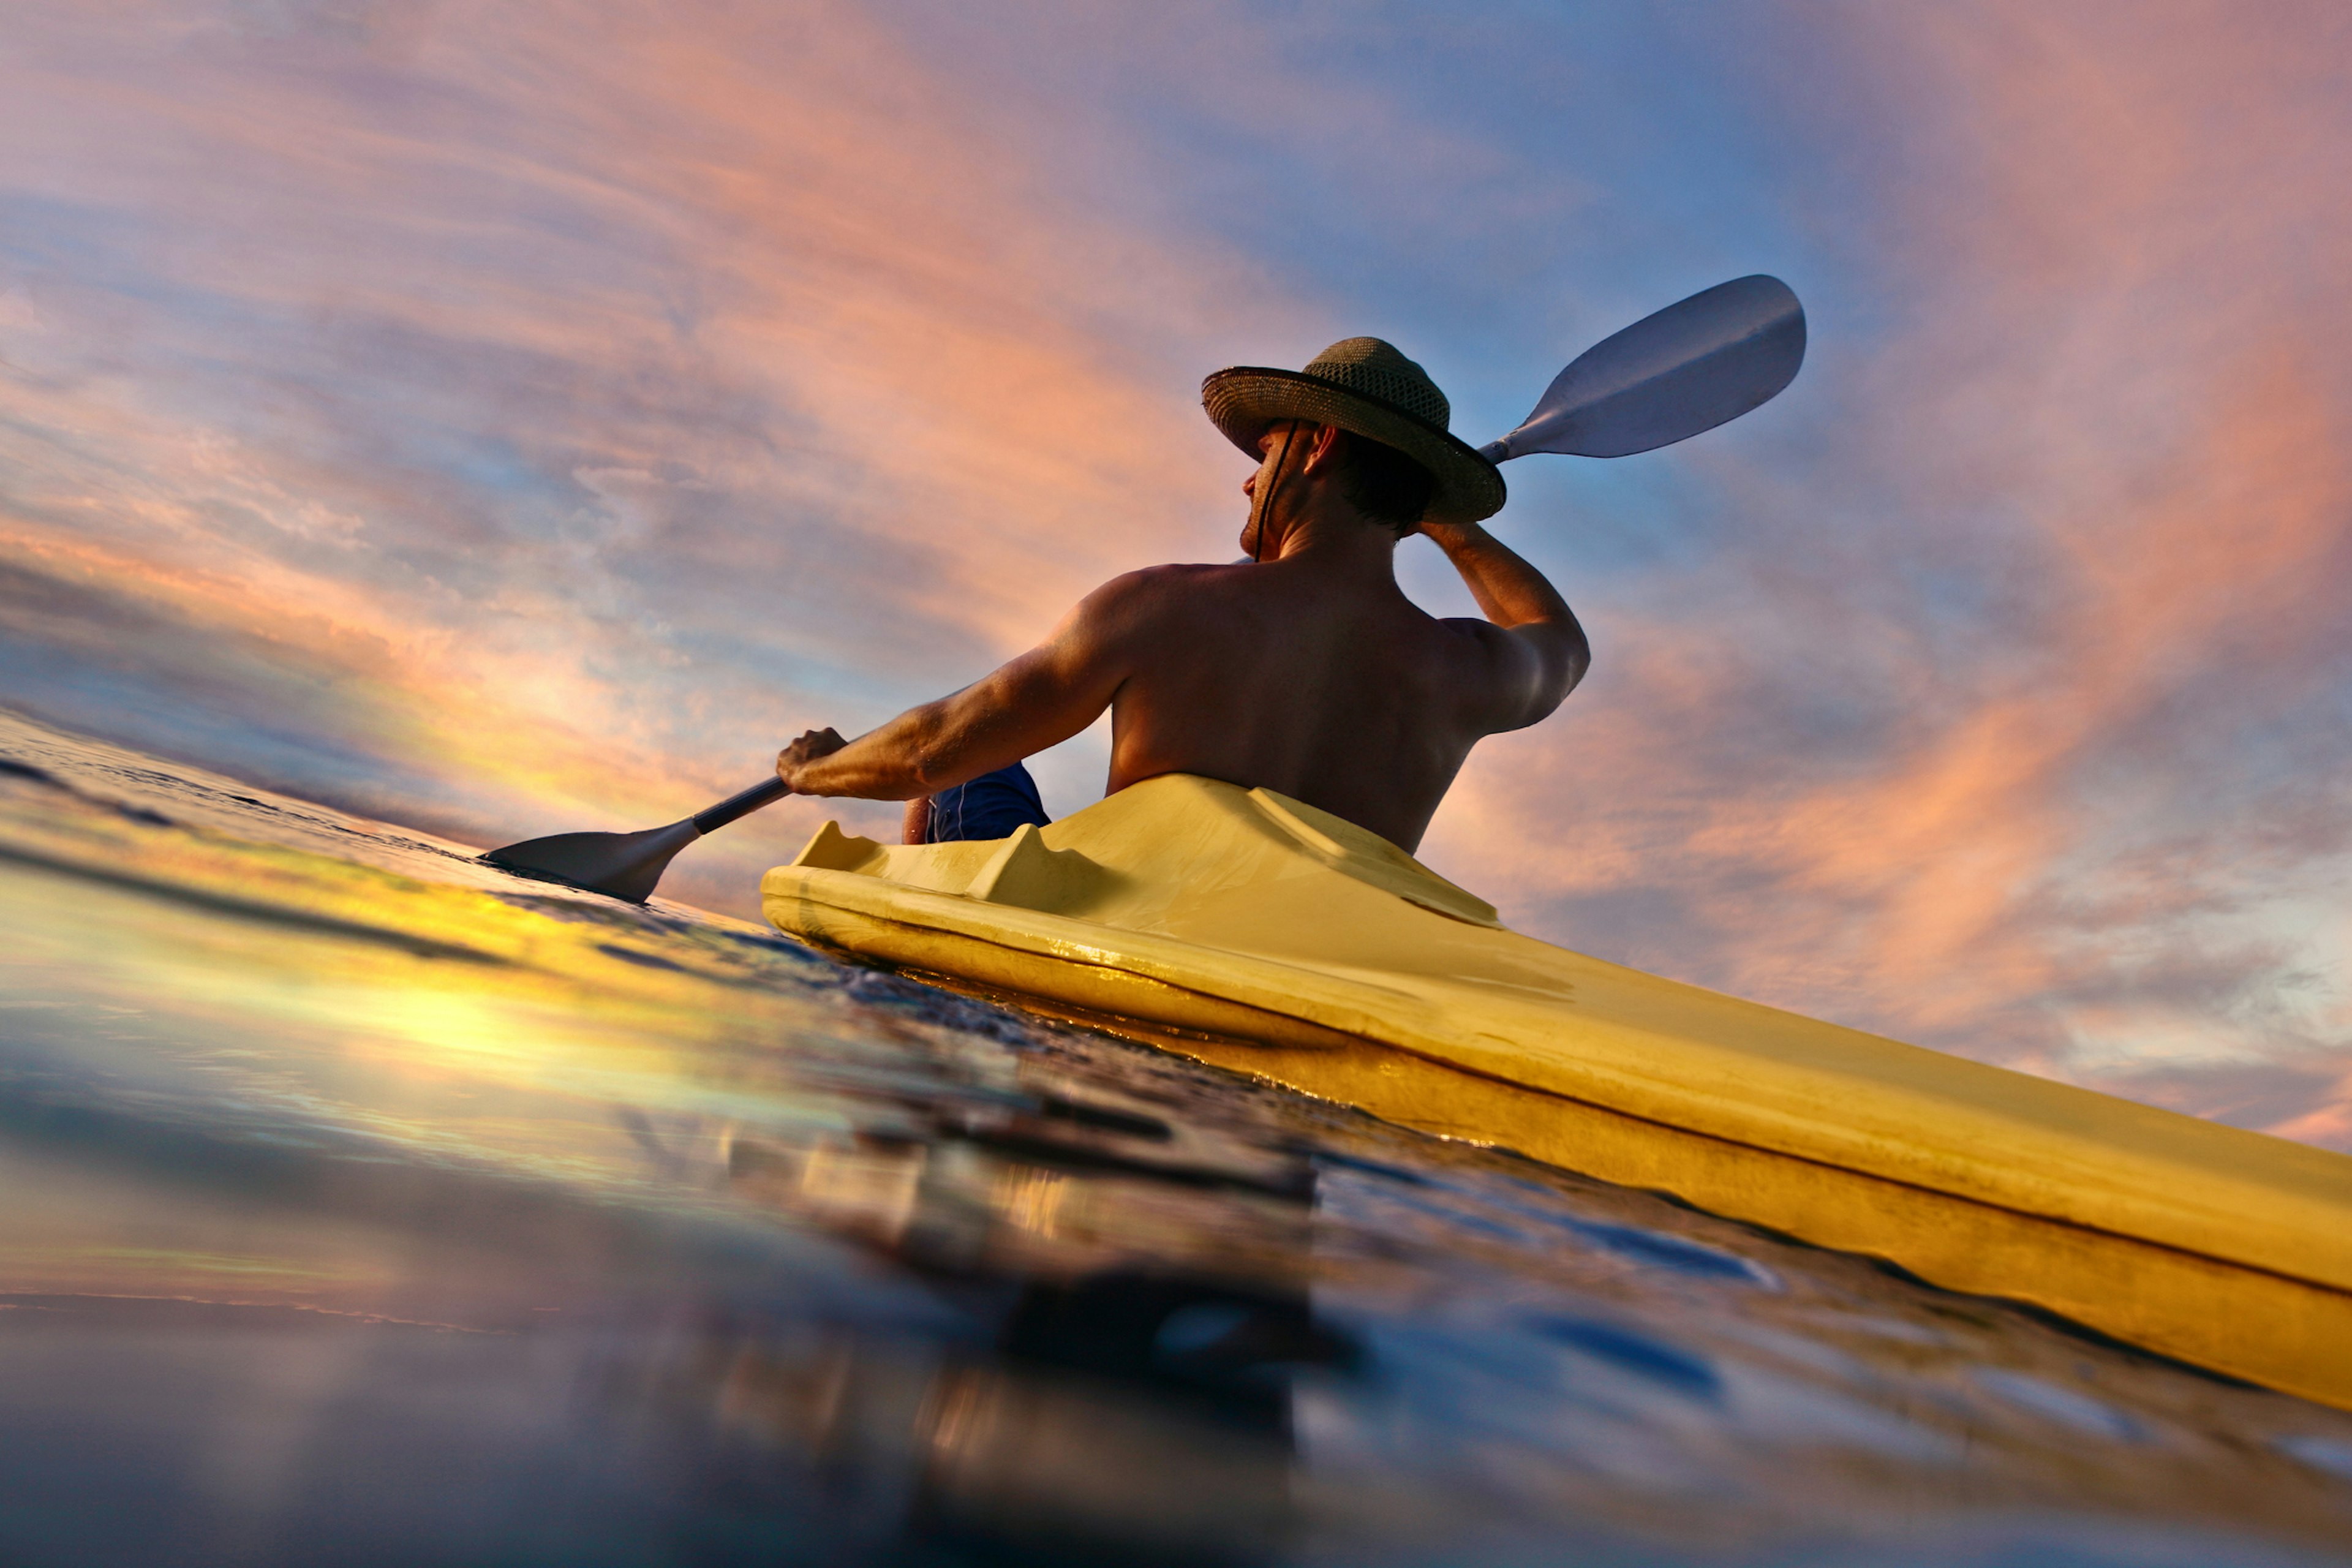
359	1204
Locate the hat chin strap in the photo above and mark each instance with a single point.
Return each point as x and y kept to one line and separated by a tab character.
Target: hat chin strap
1262	500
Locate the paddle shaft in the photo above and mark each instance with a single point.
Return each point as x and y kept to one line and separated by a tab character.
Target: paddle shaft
712	819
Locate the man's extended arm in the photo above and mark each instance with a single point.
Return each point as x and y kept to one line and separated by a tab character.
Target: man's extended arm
1039	699
1541	652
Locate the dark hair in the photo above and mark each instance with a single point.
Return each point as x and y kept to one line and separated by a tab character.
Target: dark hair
1382	483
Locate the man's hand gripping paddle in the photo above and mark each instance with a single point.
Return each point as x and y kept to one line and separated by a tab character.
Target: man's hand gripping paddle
1664	379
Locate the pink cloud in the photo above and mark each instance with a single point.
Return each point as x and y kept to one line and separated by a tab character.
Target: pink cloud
2113	351
786	352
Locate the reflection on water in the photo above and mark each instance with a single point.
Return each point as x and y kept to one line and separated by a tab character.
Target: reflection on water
363	1205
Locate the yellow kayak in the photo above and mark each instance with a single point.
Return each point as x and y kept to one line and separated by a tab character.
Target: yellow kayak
1245	929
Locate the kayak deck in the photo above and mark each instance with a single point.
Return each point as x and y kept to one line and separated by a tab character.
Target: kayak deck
1248	930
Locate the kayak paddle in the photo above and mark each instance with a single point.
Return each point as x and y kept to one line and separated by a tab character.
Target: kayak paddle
1666	378
627	865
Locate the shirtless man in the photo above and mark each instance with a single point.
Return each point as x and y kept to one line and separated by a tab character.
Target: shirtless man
1306	670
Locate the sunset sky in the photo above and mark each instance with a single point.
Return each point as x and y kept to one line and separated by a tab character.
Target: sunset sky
500	418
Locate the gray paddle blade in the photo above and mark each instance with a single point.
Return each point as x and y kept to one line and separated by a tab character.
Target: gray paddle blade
626	864
1688	368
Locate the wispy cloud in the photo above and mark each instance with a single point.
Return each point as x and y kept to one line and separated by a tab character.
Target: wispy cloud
577	403
2013	721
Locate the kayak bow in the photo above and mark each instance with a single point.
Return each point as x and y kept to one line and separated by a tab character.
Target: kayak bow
1245	929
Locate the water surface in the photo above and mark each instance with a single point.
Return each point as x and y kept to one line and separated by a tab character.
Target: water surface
361	1203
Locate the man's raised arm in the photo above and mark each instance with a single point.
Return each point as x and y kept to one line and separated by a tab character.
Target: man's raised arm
1540	651
1038	699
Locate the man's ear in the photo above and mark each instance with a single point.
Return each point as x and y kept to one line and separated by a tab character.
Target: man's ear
1323	449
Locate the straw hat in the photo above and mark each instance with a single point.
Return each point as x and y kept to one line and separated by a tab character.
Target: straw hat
1364	385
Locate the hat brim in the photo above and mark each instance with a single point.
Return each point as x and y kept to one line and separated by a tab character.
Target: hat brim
1247	400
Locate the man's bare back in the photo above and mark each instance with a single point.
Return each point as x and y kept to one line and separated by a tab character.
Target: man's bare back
1304	670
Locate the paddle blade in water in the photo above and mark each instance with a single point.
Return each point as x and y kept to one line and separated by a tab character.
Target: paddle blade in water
626	864
1690	367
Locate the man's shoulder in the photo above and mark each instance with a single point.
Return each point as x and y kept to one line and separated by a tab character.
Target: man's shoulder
1152	586
1177	573
1144	603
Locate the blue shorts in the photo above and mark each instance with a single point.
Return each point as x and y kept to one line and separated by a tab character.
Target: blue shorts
991	807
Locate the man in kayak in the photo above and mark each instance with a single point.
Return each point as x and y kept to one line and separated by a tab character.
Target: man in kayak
1305	669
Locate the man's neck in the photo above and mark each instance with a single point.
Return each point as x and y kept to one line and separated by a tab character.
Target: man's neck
1337	538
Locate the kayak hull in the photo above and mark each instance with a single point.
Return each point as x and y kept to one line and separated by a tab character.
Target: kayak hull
2220	1248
